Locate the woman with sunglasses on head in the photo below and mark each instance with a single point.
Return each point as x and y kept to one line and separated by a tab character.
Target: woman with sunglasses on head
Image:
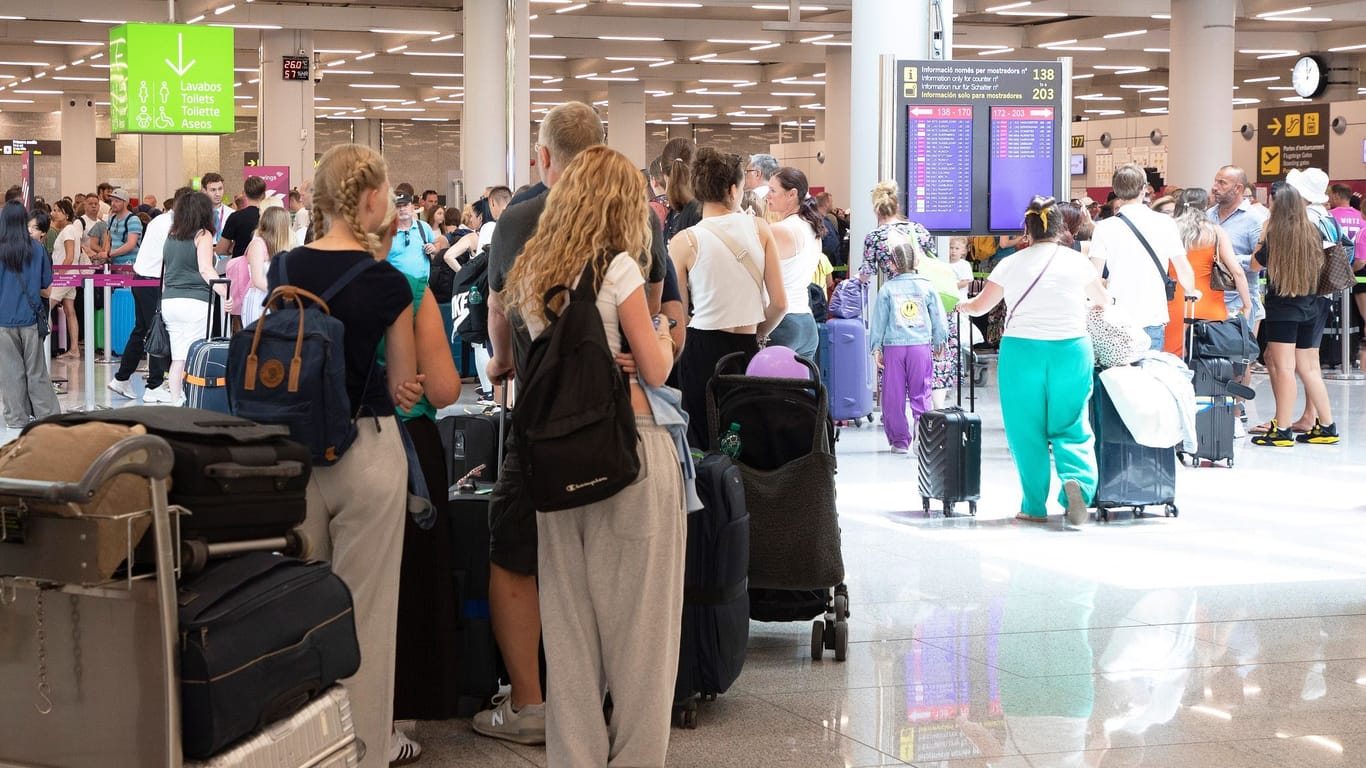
1046	362
797	236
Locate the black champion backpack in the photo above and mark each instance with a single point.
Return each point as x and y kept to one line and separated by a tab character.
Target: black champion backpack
574	421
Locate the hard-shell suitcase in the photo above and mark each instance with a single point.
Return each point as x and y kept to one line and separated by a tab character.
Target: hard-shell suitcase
321	735
240	480
1211	375
478	678
124	317
261	636
471	440
823	353
851	374
1130	475
715	589
1213	431
949	450
206	366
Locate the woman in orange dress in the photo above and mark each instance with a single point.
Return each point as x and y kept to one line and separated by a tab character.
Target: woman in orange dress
1204	241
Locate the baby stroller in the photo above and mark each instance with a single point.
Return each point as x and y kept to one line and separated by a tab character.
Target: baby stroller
796	566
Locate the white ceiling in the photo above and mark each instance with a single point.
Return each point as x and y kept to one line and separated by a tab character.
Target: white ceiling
716	61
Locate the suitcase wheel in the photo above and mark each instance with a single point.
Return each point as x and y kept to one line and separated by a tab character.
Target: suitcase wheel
972	508
685	714
924	500
1102	514
817	640
1172	511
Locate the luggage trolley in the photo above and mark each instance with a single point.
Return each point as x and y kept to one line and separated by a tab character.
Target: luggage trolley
78	654
796	565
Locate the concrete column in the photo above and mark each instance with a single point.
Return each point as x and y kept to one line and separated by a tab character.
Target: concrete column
367	133
495	137
1201	41
838	108
161	165
78	144
626	129
897	27
284	125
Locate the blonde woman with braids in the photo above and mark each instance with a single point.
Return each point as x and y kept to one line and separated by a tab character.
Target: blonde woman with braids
356	507
1046	363
611	573
273	235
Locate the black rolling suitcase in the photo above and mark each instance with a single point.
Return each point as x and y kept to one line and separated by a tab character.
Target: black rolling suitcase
1129	475
261	636
715	589
471	440
949	449
240	480
1213	379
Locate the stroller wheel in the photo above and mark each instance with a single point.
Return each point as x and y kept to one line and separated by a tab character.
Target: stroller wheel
817	640
841	641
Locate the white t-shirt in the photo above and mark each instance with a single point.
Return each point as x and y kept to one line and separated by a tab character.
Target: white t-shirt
71	233
1056	308
1134	282
148	262
623	276
486	234
798	268
962	269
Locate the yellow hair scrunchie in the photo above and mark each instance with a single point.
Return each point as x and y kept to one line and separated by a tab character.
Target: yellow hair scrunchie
1043	216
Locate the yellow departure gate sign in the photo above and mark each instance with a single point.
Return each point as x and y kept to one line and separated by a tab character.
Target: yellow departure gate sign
1291	137
171	78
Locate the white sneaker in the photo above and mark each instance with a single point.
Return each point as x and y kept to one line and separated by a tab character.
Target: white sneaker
523	726
403	750
122	389
161	394
1239	431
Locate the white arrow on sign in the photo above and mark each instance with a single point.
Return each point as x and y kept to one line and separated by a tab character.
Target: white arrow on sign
917	111
1040	113
182	68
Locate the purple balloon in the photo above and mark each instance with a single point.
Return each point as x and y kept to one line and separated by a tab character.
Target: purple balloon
777	363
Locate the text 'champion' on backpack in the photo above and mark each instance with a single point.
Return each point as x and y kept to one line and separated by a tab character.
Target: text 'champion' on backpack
289	368
575	424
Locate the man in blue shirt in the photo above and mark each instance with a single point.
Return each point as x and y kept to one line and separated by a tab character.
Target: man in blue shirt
414	242
1243	224
125	229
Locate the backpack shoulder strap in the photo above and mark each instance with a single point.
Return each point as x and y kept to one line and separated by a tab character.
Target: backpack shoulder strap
345	280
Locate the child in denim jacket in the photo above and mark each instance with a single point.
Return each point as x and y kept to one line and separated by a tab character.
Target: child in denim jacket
908	323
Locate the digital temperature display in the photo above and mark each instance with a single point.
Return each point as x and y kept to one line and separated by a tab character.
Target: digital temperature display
295	67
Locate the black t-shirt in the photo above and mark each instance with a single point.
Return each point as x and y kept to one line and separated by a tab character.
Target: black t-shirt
240	227
518	224
367	307
1285	309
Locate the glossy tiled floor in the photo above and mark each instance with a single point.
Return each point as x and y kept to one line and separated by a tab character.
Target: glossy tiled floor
1233	636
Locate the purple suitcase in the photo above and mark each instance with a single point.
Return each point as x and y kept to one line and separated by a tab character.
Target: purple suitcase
851	370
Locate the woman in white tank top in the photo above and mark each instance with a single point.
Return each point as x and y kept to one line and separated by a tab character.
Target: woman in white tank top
727	264
798	237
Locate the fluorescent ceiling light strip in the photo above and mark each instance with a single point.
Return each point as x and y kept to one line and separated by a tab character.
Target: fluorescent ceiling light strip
447	54
1008	6
726	41
803	8
1044	45
1357	47
662	63
575	7
68	42
98	21
443	38
1132	33
386	31
81	79
196	19
24	64
350	72
1268	14
1269	78
641	59
818	37
631	39
995	52
365	56
335	50
249	26
436	74
383	86
1310	19
797	94
832	42
660	4
224	9
1049	14
1083	48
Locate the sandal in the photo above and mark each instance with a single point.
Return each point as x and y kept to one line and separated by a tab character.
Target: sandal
1260	429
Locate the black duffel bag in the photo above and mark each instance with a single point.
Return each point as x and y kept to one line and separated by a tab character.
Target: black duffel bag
261	635
1229	339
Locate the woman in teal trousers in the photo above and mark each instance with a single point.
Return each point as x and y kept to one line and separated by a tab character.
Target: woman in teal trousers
1046	363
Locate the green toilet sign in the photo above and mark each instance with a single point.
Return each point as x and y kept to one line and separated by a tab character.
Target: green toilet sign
171	78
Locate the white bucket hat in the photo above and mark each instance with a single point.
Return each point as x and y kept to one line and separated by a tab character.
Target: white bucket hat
1311	183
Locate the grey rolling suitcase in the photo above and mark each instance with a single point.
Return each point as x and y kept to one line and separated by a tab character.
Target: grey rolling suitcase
321	735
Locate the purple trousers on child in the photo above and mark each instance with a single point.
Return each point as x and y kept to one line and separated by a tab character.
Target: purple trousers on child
907	375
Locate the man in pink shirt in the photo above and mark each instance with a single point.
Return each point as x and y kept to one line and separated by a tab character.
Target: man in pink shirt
1351	221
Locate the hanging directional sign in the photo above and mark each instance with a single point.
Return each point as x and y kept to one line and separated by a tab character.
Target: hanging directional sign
1291	137
171	78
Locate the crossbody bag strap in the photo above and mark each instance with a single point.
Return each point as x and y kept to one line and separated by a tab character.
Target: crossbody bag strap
1027	291
1157	263
741	254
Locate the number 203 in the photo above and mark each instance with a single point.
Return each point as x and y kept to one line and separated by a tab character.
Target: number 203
1043	94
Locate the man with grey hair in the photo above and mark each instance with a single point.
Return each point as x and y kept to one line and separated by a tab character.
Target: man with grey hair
761	167
1136	245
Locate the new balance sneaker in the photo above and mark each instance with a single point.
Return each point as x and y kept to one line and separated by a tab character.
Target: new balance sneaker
403	750
161	395
1275	436
1319	434
523	726
122	389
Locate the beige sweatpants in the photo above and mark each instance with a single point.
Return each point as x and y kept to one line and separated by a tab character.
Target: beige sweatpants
611	577
355	520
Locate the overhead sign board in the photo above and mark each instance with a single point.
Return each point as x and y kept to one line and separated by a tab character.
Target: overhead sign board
1291	137
978	140
36	146
171	78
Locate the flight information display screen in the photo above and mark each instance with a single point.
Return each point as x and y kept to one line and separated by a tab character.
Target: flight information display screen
1023	163
939	167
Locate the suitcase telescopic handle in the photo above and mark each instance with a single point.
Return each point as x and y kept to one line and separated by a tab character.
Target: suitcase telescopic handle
231	470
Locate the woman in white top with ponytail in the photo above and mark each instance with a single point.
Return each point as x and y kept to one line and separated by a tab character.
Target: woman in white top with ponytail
797	235
728	264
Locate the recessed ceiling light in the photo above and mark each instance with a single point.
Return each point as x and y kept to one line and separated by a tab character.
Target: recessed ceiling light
660	4
631	39
386	31
335	50
574	7
1131	33
385	86
249	26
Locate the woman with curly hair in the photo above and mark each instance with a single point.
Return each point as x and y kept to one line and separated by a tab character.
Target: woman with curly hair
611	572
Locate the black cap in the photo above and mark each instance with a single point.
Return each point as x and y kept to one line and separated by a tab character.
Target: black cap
403	200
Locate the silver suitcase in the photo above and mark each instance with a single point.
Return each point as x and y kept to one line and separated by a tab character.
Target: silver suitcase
321	735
